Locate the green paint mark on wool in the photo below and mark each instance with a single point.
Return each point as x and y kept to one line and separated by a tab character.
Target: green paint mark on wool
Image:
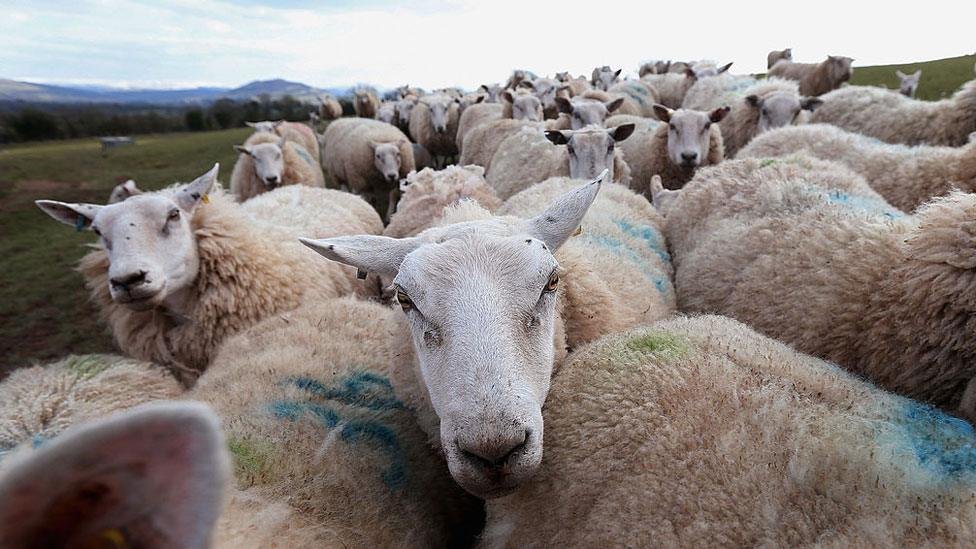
659	343
251	459
86	366
768	162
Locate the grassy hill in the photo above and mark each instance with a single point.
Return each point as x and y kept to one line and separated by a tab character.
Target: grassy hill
940	78
45	311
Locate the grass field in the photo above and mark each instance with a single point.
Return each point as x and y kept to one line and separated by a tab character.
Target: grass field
45	311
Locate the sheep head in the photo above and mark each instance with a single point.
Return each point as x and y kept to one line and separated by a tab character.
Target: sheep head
689	133
386	159
604	77
480	298
149	240
590	149
525	106
908	83
268	161
780	108
587	112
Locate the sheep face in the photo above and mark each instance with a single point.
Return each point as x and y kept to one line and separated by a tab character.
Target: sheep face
440	112
908	82
265	125
123	191
480	300
587	112
590	149
386	158
269	163
492	91
403	109
525	106
545	89
779	109
150	242
604	77
840	68
689	133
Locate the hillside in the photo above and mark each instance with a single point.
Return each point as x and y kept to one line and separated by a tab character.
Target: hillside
940	78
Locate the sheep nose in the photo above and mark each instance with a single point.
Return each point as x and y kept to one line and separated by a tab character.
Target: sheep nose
689	157
272	179
493	452
128	281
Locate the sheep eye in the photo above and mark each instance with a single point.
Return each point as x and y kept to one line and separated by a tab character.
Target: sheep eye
673	127
553	282
404	300
174	214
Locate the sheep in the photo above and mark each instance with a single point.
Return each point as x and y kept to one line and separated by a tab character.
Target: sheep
905	176
329	107
604	77
908	83
35	405
403	108
700	432
482	141
674	149
778	55
468	100
426	193
577	86
473	117
387	113
517	77
178	270
815	78
532	155
584	112
319	433
365	103
639	97
123	190
488	316
433	124
671	87
894	118
492	92
406	91
267	161
369	158
653	67
297	133
849	279
547	90
760	107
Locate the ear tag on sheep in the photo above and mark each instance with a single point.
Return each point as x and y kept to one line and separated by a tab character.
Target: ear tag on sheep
114	538
579	231
205	199
361	274
80	223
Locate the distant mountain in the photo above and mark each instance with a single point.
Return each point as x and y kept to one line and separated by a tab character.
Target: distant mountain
26	92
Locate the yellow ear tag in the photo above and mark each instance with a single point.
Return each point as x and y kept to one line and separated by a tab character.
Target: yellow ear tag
114	537
206	199
579	231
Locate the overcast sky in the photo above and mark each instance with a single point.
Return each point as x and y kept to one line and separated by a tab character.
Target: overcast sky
185	43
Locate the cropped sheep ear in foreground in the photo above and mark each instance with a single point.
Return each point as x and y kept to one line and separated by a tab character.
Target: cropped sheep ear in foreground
153	476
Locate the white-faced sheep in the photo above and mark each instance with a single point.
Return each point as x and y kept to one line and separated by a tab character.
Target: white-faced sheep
674	148
908	83
492	92
319	436
519	110
122	191
847	278
700	432
584	112
757	108
894	118
426	193
778	55
329	108
369	158
604	77
577	86
484	295
267	162
433	124
905	176
365	103
517	77
547	90
295	132
177	271
532	155
816	78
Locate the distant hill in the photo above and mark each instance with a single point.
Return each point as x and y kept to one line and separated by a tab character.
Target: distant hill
26	92
940	78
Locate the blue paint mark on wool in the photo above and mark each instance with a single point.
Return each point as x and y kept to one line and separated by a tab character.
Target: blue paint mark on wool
617	246
360	389
647	233
870	205
305	156
942	443
395	475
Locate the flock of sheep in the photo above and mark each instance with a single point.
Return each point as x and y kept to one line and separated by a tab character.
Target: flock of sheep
653	272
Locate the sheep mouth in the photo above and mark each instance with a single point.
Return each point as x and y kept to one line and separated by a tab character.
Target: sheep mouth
140	302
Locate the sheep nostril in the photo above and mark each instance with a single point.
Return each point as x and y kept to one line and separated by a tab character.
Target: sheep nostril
130	280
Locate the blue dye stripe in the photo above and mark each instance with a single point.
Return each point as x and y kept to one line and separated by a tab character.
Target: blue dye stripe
617	246
395	476
647	233
362	389
305	156
944	444
863	203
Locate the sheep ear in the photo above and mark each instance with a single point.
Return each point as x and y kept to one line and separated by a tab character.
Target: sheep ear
153	476
526	84
753	100
483	88
622	132
251	124
130	187
369	253
79	216
663	113
190	196
617	74
563	217
563	105
479	99
718	114
661	198
507	96
810	103
972	137
900	74
557	137
615	104
277	123
242	149
917	73
724	68
690	73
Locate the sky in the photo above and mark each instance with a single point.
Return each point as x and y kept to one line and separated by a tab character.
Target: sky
188	43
